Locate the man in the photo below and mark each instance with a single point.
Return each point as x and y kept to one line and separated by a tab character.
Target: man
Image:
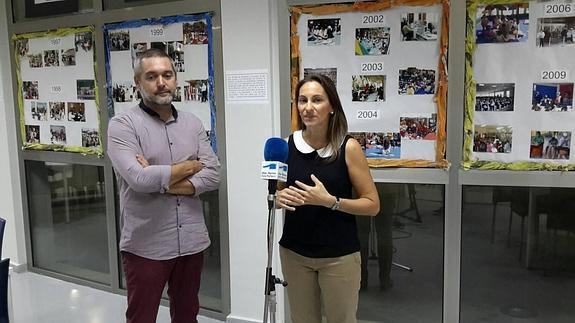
163	161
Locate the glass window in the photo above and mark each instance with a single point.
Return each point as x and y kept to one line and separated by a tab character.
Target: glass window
518	254
68	226
34	9
117	4
402	255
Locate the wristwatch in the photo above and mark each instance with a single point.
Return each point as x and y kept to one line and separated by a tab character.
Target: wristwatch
337	205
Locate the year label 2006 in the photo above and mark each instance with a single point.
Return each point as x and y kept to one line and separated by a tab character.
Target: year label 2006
367	114
372	67
554	75
373	19
553	9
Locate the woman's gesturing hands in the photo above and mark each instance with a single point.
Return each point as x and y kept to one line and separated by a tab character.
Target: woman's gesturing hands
291	197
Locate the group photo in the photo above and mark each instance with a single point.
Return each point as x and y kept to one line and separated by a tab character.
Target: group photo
379	144
68	57
57	111
35	60
372	41
39	110
86	89
76	111
329	72
556	31
492	139
30	90
418	128
119	40
196	90
414	81
323	32
58	135
195	33
83	41
502	23
90	137
51	58
32	134
125	92
552	97
494	96
550	144
368	88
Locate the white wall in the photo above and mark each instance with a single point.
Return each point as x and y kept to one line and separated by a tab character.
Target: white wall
10	198
249	43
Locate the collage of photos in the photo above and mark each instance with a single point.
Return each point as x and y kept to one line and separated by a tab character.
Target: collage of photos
324	32
492	139
552	97
502	23
379	144
420	26
368	88
372	41
494	96
556	31
329	72
418	128
550	144
413	81
195	33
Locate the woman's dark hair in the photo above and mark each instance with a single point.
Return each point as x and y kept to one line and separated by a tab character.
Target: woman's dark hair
337	127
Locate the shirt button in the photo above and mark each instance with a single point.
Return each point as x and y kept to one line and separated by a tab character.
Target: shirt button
180	226
171	143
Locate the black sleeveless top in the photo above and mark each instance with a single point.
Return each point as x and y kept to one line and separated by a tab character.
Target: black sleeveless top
316	231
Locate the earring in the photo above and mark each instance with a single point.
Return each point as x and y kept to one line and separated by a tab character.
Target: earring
331	113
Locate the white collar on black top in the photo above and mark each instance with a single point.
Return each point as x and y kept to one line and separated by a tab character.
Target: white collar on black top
305	148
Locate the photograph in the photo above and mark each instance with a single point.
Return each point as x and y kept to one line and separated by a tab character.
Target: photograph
196	90
125	92
159	45
372	41
57	111
329	72
492	139
323	32
76	112
550	144
379	144
177	94
86	89
68	57
32	134
22	46
83	41
119	40
552	97
51	58
90	137
35	60
58	135
39	110
419	26
418	128
368	88
494	96
556	31
195	33
30	90
502	23
176	52
413	81
137	50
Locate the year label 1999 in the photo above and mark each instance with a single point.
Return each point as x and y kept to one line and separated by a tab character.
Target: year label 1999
554	75
368	114
156	32
55	41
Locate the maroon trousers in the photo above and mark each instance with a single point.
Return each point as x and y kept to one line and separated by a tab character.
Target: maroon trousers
146	278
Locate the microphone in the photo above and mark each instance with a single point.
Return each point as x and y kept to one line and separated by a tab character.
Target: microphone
274	167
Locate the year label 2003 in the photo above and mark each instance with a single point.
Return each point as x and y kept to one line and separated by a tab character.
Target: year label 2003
372	67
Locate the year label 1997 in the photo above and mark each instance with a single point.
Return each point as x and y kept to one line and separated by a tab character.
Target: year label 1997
554	75
372	67
372	19
557	8
156	32
368	114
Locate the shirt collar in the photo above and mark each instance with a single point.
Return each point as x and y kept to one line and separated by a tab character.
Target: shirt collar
154	113
305	148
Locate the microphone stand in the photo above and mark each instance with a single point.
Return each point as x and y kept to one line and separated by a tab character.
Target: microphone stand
271	280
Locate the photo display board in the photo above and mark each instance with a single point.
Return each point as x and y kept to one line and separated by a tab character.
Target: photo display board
519	86
187	40
388	62
58	93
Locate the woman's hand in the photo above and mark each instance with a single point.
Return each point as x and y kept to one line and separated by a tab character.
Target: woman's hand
288	199
314	195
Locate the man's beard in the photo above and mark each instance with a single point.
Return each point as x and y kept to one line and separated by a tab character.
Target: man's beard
158	100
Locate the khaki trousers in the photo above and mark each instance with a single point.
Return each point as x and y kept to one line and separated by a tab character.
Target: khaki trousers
313	282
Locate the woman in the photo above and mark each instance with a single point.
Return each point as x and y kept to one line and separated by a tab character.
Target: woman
319	246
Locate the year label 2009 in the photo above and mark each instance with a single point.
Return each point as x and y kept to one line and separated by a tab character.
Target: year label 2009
554	75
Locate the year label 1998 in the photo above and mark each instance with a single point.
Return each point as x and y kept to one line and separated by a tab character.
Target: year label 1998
368	114
56	89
